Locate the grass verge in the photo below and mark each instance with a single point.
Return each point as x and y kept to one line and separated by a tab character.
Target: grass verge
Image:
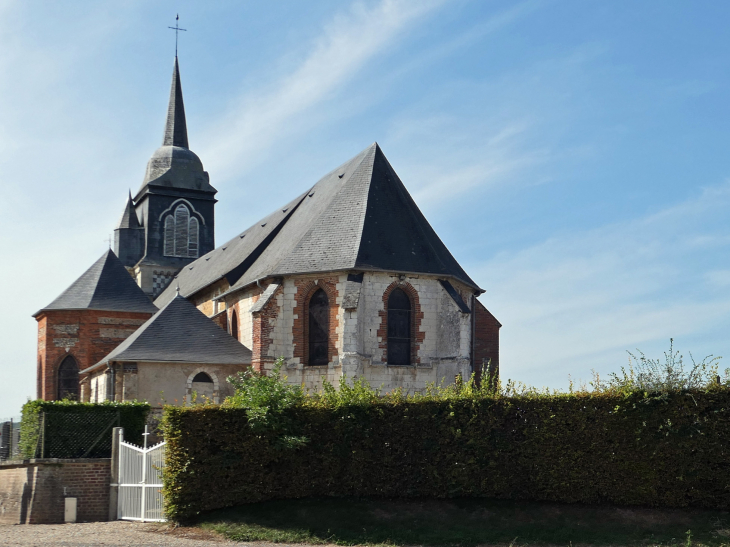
465	522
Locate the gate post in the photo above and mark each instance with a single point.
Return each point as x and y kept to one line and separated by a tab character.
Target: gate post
117	434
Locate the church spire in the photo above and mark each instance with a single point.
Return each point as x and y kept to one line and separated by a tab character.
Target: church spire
129	216
176	131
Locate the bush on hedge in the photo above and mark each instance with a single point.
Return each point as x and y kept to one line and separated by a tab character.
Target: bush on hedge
71	427
617	445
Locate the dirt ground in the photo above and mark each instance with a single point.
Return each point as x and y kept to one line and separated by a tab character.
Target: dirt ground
110	534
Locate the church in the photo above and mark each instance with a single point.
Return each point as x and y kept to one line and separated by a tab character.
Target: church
348	279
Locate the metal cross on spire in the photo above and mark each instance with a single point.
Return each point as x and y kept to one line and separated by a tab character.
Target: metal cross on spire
177	29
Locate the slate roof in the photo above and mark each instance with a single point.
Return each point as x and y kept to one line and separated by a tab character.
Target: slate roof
105	286
357	217
180	333
173	164
176	129
129	216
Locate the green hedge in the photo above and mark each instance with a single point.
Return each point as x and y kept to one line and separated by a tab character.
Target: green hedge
69	429
670	450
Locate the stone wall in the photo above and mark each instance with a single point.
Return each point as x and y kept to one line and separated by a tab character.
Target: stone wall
164	383
441	332
33	491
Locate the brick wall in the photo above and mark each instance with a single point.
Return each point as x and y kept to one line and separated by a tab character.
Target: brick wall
263	323
486	340
87	335
32	492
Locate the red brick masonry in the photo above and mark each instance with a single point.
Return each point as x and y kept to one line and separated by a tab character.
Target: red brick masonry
32	491
486	341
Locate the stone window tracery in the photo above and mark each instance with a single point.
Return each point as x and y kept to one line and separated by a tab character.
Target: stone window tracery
318	329
399	328
68	379
181	234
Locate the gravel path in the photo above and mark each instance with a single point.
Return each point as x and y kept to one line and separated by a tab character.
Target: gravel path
110	534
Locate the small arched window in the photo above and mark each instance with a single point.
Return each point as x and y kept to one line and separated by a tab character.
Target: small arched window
234	324
181	233
202	377
399	328
319	322
68	379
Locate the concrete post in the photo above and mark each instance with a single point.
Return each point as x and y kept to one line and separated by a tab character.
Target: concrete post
117	435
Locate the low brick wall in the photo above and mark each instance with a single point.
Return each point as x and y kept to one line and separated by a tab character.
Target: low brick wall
33	491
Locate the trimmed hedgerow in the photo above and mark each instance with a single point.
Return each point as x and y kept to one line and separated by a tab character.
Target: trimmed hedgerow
74	429
668	449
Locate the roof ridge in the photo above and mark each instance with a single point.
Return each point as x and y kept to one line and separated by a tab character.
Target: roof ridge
371	150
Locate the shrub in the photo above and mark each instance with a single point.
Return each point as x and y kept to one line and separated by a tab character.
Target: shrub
651	375
662	449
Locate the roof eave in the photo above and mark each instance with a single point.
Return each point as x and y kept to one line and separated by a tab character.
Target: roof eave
45	310
233	290
104	363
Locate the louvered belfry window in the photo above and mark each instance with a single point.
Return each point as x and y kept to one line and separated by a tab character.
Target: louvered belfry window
68	379
182	234
319	323
399	328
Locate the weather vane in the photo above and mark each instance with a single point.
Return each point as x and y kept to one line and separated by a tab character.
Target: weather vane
177	29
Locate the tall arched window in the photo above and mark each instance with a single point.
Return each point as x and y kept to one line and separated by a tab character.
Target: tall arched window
193	237
319	323
170	236
399	328
68	379
181	233
234	325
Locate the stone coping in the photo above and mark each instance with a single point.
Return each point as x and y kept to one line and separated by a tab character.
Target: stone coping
49	461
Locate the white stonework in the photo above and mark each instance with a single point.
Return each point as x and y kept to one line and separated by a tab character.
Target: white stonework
443	354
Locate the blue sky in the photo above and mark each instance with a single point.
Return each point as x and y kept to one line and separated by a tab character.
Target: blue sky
571	154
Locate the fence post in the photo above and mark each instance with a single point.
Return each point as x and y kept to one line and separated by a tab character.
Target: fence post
117	434
43	435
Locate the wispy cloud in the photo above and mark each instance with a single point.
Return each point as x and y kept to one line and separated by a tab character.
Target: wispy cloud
578	301
347	43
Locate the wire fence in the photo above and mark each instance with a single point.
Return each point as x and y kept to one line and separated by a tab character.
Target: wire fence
71	435
10	440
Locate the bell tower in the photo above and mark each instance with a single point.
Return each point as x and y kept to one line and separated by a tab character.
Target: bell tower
170	221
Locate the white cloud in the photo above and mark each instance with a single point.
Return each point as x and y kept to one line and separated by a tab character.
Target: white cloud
578	301
348	42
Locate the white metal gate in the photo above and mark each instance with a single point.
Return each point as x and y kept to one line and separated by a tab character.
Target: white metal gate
140	481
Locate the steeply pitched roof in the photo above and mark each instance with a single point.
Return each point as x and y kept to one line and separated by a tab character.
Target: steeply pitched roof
358	217
180	333
105	286
176	130
129	217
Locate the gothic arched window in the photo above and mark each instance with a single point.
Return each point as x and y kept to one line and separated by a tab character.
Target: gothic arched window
399	328
234	325
181	233
319	323
68	379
